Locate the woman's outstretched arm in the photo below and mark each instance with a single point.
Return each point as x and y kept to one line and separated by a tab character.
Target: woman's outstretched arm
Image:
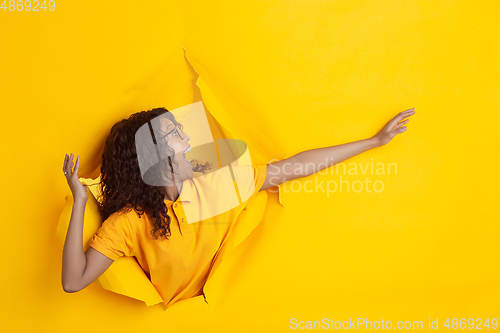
311	161
79	268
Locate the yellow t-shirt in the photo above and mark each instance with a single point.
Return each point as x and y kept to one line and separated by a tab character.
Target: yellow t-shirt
202	219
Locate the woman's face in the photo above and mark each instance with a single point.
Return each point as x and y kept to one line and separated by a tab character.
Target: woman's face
179	145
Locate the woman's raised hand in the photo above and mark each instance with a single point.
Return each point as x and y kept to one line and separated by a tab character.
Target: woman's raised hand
77	188
393	127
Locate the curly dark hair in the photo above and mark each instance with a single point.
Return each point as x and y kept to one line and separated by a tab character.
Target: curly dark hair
121	185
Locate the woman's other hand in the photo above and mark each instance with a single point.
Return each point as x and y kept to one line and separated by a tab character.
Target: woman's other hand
393	127
77	188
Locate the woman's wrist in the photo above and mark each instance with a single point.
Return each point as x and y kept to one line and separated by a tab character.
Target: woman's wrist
374	142
80	201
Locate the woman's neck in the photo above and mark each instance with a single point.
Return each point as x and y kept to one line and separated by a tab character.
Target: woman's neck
172	193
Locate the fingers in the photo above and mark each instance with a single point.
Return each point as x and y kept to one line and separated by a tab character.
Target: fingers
401	124
399	129
400	116
77	165
405	114
68	165
65	161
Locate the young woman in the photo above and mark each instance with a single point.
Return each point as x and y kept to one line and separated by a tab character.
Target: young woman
150	222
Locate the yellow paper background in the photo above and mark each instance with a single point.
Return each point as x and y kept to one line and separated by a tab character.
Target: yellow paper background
284	76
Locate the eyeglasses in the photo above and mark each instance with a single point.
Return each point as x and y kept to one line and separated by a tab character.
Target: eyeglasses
178	130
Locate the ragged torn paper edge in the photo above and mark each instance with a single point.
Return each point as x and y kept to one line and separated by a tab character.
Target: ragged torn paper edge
202	85
279	195
125	276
